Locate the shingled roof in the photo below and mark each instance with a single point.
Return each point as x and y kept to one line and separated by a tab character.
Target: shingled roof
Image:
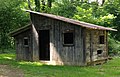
76	22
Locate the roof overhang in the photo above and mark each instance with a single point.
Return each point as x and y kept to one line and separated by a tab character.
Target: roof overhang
76	22
68	20
19	30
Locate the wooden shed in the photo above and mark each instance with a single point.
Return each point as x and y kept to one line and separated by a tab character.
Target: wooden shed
60	41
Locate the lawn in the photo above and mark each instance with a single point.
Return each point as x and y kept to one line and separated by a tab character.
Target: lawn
36	69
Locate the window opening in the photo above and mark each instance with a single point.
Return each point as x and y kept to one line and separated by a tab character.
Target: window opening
99	52
25	41
68	38
101	40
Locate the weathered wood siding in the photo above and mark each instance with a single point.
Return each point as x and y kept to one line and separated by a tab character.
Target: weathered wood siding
92	45
23	52
35	44
60	54
83	51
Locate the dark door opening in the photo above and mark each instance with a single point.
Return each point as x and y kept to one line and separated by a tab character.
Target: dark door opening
44	48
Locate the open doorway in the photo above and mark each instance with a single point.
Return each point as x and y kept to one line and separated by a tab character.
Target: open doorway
44	47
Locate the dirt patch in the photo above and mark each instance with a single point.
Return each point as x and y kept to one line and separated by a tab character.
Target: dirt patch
7	71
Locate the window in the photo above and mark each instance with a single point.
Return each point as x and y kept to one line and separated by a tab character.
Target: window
68	38
25	41
99	52
101	39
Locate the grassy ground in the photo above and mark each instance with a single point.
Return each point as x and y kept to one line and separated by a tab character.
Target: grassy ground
36	69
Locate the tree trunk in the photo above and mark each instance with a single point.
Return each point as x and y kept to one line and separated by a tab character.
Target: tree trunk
43	5
49	3
103	1
37	5
29	5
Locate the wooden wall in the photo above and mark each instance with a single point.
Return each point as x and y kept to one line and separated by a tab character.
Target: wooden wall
60	54
23	52
84	49
92	45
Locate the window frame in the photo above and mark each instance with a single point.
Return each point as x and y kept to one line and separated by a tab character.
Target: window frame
26	38
72	44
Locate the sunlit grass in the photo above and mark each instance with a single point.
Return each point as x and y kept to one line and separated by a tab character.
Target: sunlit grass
7	56
37	69
30	63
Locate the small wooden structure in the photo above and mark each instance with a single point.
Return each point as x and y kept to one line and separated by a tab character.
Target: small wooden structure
61	41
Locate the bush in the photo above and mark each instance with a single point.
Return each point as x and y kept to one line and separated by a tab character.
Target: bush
114	47
10	50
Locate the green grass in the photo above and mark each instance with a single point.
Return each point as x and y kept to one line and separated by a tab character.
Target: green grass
36	69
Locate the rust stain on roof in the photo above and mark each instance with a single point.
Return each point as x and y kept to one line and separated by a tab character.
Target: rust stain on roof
76	22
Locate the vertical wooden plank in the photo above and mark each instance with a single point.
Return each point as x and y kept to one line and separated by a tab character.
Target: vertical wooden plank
17	45
30	46
21	50
106	34
51	42
57	39
91	46
78	46
35	44
84	45
75	54
60	42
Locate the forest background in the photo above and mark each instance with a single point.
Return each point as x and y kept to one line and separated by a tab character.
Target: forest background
101	12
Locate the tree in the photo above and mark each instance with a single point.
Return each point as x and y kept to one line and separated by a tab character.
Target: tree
29	5
11	17
66	9
103	1
43	5
49	3
72	1
37	5
112	6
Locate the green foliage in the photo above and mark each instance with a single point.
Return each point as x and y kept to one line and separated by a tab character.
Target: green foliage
7	51
113	7
11	17
37	69
91	13
67	9
37	7
114	47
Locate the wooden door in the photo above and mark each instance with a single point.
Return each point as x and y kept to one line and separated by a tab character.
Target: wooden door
44	48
